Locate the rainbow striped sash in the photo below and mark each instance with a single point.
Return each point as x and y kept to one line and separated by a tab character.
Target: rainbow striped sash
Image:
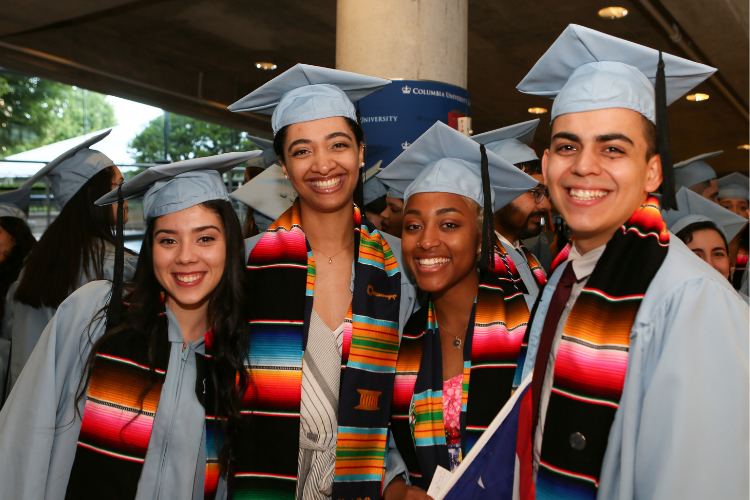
741	261
493	340
280	266
592	359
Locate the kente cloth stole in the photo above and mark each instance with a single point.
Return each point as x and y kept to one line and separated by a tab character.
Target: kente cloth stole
121	404
507	272
592	359
280	267
491	347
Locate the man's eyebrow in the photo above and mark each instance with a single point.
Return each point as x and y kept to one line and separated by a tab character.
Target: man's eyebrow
447	210
338	134
298	141
566	135
614	137
413	211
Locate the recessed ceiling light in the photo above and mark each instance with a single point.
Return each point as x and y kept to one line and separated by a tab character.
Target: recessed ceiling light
613	12
697	97
537	111
745	147
265	65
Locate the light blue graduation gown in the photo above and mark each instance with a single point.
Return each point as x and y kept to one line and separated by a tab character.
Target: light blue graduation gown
23	324
39	427
681	430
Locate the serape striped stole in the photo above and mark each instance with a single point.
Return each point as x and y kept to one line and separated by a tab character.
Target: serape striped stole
493	340
592	359
280	267
740	263
536	268
121	404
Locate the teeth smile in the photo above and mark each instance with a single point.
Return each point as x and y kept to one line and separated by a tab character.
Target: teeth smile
188	278
433	262
327	184
587	194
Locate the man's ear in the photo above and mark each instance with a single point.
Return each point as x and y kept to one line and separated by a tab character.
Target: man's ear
654	175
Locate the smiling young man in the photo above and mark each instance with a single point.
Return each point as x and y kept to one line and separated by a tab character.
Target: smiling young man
639	353
525	216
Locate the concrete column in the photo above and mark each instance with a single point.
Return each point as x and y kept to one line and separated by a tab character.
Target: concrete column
409	39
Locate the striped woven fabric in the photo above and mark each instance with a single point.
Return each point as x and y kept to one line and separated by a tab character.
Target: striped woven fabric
121	403
536	268
493	340
592	360
281	263
740	263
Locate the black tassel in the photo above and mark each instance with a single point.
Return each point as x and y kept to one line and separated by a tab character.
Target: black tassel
668	200
358	115
115	302
488	231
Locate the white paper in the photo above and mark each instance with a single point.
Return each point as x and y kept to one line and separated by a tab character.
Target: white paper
440	479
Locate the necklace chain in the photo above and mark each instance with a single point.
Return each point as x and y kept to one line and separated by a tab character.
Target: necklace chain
456	343
330	257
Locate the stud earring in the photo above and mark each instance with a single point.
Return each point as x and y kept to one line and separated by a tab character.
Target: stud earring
419	245
286	177
362	165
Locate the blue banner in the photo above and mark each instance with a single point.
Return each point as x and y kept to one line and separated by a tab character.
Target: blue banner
397	115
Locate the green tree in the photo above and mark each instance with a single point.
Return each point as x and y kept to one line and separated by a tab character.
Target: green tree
188	138
35	112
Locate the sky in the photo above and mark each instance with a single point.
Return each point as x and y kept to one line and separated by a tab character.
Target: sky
132	113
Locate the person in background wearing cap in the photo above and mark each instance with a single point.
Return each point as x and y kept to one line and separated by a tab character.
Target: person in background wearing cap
267	195
698	176
639	356
464	345
734	195
16	241
76	248
374	195
132	383
525	216
327	301
254	168
705	228
393	215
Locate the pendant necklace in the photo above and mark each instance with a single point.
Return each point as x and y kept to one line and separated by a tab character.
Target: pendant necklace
456	343
330	257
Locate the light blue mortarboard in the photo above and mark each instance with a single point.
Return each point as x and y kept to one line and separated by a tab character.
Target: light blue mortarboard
444	160
585	70
268	194
305	93
15	203
692	208
512	143
393	193
267	158
690	172
71	170
176	186
734	185
373	188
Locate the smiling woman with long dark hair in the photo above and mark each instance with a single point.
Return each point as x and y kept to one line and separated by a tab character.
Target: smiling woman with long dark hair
327	302
76	248
464	345
143	394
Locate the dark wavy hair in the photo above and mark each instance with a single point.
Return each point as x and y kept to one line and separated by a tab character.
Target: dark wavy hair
73	243
686	233
359	136
226	311
24	243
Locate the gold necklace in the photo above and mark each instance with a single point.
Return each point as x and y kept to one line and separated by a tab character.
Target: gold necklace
456	343
330	258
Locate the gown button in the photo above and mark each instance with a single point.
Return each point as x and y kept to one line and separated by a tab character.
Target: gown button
577	441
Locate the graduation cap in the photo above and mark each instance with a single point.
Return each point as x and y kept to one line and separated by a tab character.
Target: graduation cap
305	93
373	188
585	70
444	160
168	189
690	172
734	185
71	170
15	203
692	208
512	143
267	158
269	194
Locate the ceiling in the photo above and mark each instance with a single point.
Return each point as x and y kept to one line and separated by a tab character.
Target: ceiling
194	57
